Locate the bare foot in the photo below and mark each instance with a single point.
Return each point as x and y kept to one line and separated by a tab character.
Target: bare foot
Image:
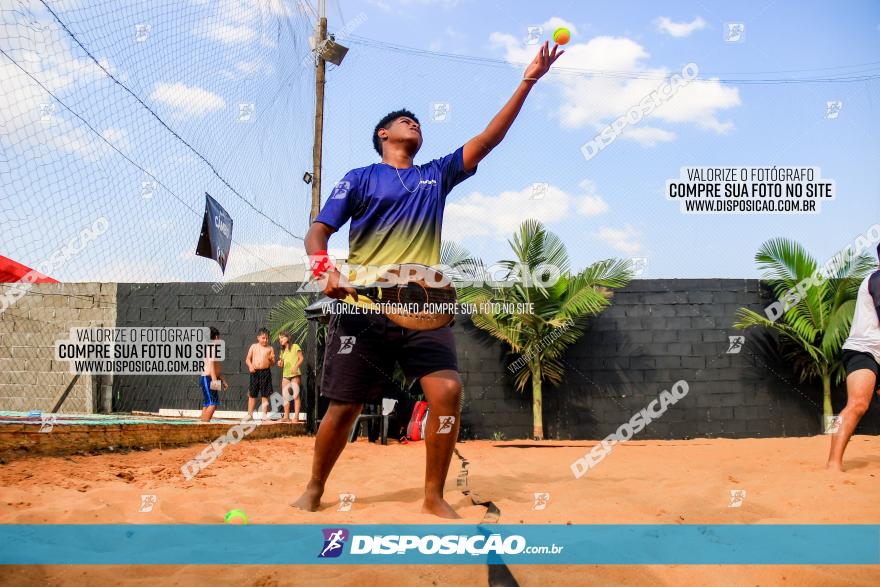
439	507
834	467
310	499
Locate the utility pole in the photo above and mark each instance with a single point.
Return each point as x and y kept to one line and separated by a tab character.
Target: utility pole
320	71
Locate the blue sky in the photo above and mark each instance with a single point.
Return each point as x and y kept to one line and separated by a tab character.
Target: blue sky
200	61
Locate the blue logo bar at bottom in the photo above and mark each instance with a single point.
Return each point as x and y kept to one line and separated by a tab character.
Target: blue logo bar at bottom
618	544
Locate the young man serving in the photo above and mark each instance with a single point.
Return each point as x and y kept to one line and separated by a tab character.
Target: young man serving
396	213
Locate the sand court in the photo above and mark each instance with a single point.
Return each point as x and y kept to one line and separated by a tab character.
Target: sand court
640	482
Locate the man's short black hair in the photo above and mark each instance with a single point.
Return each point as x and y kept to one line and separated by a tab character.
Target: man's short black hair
386	122
262	331
215	334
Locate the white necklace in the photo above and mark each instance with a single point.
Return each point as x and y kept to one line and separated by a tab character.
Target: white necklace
400	179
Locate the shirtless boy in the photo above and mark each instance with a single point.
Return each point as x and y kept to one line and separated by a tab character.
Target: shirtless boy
260	358
211	381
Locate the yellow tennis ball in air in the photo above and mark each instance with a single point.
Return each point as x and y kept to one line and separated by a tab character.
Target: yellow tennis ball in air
561	35
236	516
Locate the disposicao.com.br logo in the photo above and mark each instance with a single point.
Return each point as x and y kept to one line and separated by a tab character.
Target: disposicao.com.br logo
431	544
334	540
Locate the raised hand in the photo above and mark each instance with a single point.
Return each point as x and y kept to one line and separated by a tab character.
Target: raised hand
542	62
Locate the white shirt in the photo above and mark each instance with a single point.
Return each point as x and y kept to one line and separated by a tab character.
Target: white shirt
864	336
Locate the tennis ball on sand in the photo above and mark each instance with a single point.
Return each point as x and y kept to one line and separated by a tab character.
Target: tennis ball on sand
561	35
236	517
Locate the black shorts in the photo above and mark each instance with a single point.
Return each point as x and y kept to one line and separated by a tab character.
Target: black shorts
261	383
361	349
857	360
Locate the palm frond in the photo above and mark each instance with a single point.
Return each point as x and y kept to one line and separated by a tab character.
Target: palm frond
813	329
785	260
289	315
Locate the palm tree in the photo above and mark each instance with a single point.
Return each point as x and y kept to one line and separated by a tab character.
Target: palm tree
561	309
811	331
289	315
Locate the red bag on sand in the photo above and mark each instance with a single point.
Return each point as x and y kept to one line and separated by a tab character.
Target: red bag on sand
415	430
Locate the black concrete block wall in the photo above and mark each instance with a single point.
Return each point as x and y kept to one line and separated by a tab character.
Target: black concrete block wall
655	333
492	407
238	310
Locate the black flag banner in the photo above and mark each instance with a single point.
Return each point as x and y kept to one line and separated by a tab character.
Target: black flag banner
216	237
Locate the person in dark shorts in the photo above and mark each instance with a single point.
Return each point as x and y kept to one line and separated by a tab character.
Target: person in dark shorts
211	382
363	348
260	357
861	360
396	213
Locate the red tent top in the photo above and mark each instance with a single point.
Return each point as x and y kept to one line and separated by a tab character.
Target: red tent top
12	271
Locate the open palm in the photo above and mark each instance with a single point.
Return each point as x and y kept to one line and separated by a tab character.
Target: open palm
542	61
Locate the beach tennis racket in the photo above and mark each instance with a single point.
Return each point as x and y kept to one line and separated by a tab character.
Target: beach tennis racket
412	296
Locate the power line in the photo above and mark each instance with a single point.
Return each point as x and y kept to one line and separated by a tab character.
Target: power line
845	77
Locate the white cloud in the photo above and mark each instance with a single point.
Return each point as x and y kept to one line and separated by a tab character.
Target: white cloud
591	203
248	69
253	66
118	137
386	7
44	66
234	22
648	136
555	22
187	100
624	239
679	29
592	101
229	33
698	103
278	7
481	215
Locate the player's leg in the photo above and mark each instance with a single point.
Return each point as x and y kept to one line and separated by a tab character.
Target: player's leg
443	392
329	443
358	362
861	381
430	357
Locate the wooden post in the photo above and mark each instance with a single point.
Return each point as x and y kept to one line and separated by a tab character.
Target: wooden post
313	385
320	70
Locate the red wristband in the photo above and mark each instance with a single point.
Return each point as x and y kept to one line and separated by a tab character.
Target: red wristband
320	263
